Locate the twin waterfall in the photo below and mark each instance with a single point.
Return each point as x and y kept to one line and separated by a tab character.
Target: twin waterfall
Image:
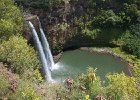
44	52
46	48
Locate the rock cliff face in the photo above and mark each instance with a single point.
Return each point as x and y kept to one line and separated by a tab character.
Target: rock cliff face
63	25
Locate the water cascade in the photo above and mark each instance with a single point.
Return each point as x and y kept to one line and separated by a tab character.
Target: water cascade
45	44
41	53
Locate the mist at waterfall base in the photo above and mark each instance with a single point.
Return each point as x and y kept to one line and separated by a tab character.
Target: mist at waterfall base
76	62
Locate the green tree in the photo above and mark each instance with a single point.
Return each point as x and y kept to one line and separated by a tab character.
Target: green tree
133	41
129	14
106	19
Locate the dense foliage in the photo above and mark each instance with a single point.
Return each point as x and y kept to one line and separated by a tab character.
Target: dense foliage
13	88
123	19
18	54
133	41
10	19
121	87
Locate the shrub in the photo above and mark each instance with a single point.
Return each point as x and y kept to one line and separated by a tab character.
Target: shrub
25	91
91	82
85	86
18	54
13	88
10	19
121	87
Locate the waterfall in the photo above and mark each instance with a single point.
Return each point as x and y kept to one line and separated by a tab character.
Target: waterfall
40	53
45	44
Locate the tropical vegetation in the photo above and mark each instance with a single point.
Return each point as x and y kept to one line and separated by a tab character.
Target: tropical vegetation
71	23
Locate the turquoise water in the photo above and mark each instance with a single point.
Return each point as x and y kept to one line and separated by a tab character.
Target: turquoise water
75	62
